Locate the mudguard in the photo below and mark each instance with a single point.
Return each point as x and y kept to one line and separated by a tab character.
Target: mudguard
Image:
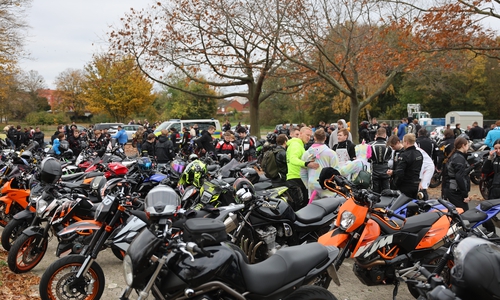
25	214
33	230
80	226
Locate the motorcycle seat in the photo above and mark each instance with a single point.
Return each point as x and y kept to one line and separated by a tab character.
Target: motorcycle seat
229	180
315	211
285	266
488	204
413	224
416	223
71	177
73	185
259	186
212	168
474	215
94	174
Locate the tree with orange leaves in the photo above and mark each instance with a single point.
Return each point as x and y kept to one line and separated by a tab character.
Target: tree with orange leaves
229	45
359	47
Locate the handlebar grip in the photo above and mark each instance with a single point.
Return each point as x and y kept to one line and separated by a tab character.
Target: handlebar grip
198	250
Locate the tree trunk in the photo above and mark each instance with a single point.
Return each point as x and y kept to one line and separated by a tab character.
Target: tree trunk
254	116
354	119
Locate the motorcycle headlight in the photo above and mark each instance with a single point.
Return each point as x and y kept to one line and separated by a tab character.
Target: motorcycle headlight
128	270
346	220
41	205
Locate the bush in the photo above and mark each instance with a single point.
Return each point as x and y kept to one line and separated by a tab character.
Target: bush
45	118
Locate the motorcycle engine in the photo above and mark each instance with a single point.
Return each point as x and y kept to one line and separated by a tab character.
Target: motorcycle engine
268	236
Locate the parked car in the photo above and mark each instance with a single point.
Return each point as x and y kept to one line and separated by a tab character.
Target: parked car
129	129
101	126
437	133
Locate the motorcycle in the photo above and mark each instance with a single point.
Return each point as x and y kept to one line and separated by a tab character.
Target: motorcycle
267	224
160	268
30	247
79	275
380	245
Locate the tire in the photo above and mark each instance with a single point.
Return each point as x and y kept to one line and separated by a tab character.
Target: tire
310	292
54	281
435	180
120	254
433	258
13	229
22	255
475	177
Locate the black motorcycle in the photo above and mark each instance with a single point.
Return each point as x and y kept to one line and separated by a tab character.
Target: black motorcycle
202	265
267	224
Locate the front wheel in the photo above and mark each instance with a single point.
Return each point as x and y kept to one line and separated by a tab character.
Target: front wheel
475	177
13	229
59	281
25	253
310	292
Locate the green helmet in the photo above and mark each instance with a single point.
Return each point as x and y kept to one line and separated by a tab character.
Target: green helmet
194	173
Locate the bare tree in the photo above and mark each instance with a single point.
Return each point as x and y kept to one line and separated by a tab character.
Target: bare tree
227	44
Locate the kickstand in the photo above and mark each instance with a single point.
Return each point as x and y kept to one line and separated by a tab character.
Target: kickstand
395	291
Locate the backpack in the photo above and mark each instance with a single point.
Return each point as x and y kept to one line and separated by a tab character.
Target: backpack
269	165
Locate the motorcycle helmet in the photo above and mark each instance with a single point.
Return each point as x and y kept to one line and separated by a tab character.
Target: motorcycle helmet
194	173
27	155
178	165
144	163
162	201
192	157
364	124
50	171
476	273
63	145
243	190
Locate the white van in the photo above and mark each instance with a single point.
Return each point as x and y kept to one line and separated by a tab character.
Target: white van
179	124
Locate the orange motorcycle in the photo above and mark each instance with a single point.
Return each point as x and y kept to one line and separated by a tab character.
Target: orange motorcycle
380	241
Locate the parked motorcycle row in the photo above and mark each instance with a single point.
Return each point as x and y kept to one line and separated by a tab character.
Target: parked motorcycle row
200	229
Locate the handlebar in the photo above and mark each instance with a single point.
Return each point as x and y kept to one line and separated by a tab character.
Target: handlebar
391	213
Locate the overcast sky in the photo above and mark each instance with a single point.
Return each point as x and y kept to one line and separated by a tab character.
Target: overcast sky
65	33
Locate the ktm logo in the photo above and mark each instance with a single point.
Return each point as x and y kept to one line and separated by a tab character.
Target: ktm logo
374	246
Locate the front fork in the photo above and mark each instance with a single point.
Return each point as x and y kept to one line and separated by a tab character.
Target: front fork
151	283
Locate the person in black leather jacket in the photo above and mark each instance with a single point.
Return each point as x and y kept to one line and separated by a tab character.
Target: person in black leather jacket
458	175
206	141
445	148
492	165
426	144
409	164
381	154
281	160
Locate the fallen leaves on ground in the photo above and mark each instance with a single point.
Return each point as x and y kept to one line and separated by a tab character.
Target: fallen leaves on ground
16	286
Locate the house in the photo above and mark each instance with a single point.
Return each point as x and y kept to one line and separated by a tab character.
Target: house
240	104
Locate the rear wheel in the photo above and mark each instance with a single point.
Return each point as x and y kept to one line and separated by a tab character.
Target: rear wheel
13	229
59	281
310	292
24	254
